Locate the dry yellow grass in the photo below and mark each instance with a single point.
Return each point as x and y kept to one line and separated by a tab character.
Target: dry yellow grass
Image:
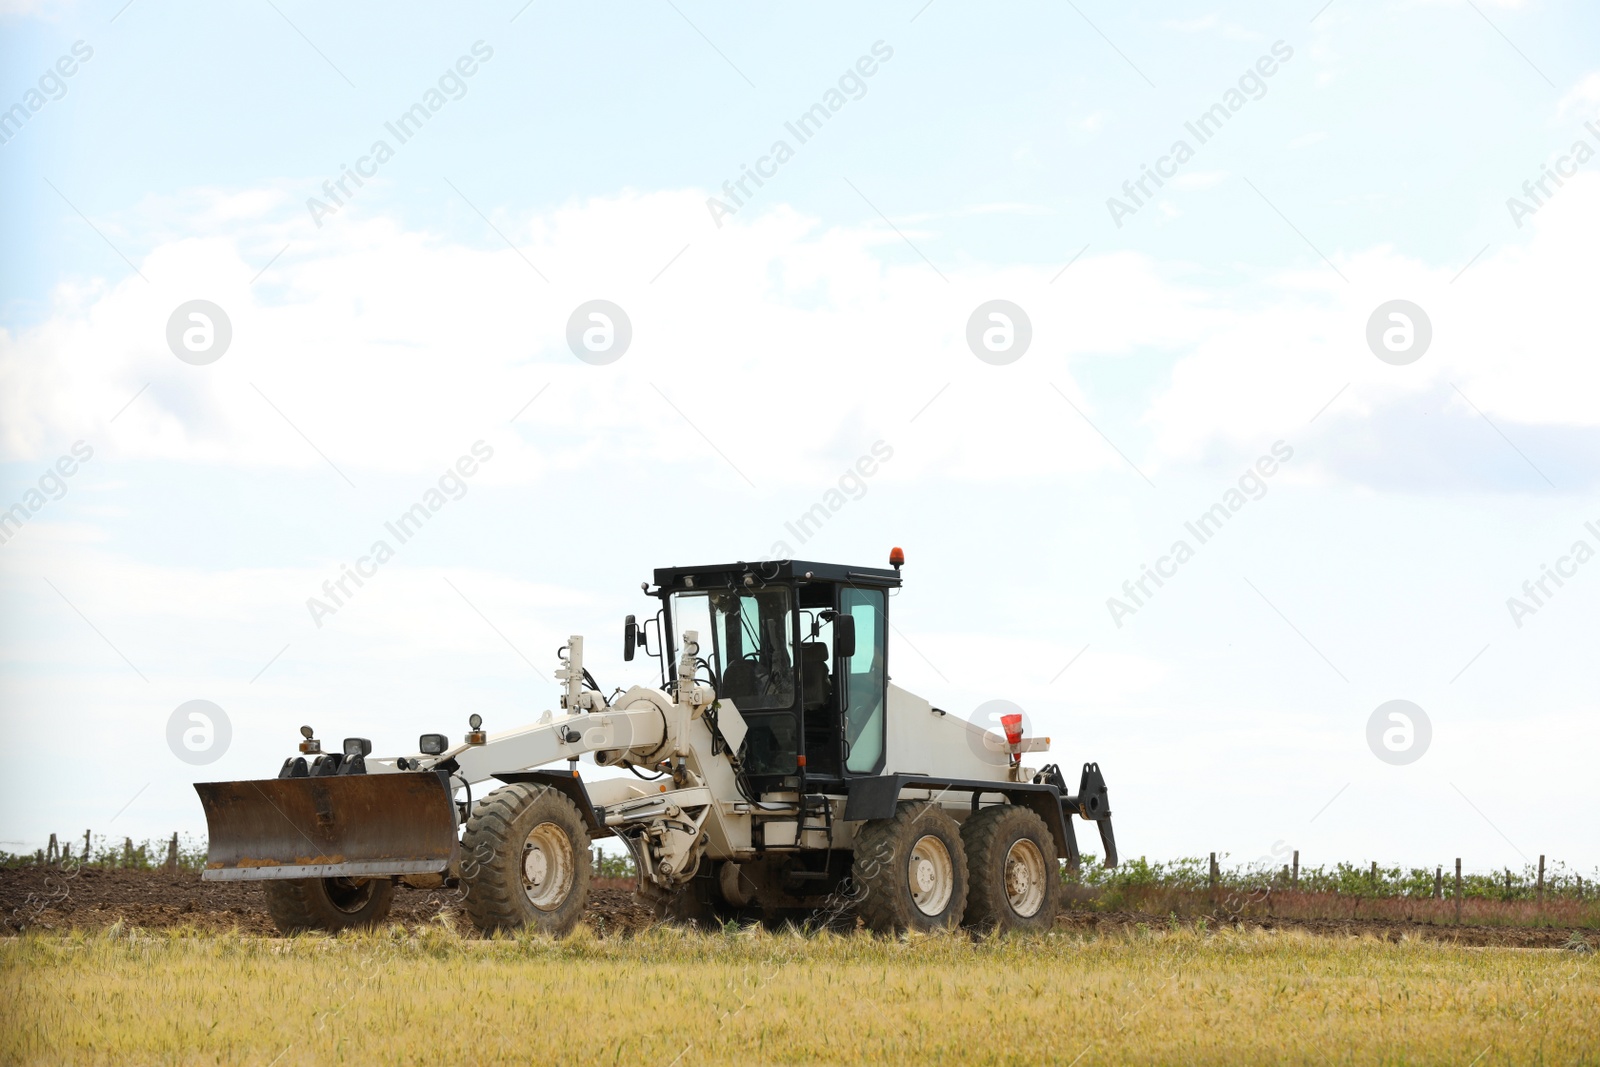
670	997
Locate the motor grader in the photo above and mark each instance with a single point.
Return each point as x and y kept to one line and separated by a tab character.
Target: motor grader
774	771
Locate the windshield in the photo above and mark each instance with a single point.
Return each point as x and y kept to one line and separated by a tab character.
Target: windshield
751	641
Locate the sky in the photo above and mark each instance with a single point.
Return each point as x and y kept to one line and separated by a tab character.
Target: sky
398	219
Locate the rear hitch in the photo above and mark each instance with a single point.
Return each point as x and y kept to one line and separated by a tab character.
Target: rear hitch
1091	803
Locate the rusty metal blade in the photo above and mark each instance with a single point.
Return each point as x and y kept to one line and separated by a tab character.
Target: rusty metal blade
339	826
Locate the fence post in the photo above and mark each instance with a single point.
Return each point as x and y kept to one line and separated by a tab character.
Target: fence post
1295	878
1539	892
1373	878
53	853
1508	883
1213	879
1458	890
86	846
172	854
127	852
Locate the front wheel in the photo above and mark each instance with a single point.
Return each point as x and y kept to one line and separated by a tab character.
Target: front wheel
525	861
328	904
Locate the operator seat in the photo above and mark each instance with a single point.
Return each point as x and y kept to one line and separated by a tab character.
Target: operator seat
739	683
815	682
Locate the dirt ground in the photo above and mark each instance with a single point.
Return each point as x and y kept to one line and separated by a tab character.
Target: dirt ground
92	898
1386	929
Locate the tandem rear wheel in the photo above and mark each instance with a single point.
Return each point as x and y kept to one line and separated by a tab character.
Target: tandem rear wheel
919	871
910	871
1011	860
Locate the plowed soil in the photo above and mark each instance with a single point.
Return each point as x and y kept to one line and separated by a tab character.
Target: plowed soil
92	898
1384	929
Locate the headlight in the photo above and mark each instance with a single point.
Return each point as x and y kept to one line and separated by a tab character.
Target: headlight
432	744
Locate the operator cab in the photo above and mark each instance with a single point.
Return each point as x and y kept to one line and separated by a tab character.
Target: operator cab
801	649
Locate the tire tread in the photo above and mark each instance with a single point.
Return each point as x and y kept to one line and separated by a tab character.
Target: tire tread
297	905
885	904
987	836
492	855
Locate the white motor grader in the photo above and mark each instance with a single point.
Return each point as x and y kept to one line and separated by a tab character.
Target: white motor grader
775	771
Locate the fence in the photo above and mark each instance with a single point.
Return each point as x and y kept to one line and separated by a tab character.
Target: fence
611	866
1535	883
180	852
1442	881
1541	894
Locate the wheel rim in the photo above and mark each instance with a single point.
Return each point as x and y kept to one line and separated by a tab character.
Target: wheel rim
547	866
349	895
932	875
1025	877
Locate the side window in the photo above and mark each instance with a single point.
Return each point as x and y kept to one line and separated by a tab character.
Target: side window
866	678
757	633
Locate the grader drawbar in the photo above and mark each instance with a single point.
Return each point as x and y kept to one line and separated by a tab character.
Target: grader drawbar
776	773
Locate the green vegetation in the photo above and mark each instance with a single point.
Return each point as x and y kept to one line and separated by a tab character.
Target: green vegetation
1344	892
1350	879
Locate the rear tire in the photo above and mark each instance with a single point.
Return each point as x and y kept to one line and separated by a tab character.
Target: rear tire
328	904
525	861
1016	881
911	871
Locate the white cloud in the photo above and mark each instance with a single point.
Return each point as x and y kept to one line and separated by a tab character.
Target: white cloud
1195	25
1232	31
1582	101
390	348
1503	333
1200	179
46	9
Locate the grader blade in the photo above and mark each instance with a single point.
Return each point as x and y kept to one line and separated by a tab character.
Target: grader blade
342	826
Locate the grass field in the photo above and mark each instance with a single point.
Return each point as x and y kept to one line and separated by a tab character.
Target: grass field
750	997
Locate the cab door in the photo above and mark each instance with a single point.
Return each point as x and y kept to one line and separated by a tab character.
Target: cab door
865	678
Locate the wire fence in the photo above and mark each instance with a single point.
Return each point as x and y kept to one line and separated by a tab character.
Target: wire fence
1133	881
1442	880
180	852
186	852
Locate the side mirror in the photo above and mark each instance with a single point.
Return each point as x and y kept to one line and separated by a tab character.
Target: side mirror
844	635
629	628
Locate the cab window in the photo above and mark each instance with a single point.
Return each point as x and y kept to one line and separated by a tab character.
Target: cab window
866	679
